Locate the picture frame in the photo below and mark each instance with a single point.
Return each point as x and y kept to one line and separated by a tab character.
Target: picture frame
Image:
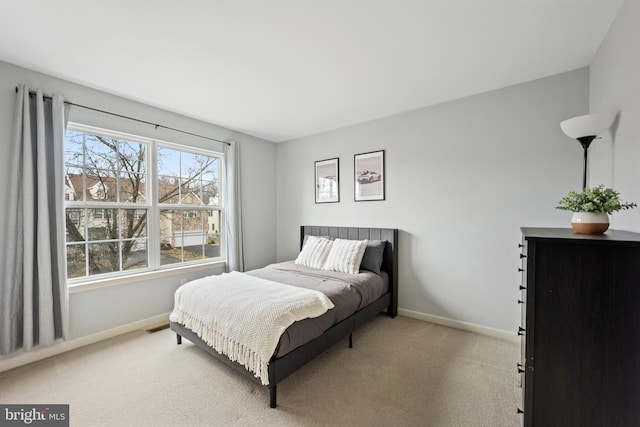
327	180
369	176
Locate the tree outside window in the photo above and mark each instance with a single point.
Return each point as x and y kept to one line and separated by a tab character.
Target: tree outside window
109	206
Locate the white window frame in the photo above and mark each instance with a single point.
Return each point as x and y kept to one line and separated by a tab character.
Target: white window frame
153	217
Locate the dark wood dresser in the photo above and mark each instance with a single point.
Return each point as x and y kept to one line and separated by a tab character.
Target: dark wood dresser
580	297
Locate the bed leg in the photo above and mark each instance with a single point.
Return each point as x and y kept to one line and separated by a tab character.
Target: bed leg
272	395
178	339
350	340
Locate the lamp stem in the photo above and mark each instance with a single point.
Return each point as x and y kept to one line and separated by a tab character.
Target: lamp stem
585	141
584	169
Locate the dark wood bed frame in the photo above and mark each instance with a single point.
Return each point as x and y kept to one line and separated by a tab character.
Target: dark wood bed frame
281	367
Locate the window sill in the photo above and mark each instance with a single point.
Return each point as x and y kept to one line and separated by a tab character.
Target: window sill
91	285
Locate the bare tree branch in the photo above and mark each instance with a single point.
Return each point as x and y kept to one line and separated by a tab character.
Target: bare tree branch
120	168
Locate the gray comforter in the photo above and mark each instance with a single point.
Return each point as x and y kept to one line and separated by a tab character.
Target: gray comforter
348	292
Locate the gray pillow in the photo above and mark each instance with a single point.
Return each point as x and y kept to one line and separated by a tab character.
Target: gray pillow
373	255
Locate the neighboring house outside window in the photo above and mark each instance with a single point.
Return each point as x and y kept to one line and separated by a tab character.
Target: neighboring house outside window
122	218
74	217
190	214
69	190
98	213
99	190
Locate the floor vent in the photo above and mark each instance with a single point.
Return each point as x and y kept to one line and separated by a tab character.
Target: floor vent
157	328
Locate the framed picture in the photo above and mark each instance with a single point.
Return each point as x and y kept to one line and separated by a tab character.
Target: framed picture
327	181
369	176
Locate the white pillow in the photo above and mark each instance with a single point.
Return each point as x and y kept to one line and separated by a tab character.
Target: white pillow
314	252
345	256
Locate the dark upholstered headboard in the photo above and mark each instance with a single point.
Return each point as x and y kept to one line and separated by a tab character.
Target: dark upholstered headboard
390	258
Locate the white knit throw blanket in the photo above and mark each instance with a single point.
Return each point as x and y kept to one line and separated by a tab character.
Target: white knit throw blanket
243	316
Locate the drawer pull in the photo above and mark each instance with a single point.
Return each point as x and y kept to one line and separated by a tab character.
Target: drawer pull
520	330
520	411
520	269
520	301
522	288
522	256
520	245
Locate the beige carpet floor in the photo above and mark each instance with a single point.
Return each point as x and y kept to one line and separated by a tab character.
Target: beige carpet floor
401	372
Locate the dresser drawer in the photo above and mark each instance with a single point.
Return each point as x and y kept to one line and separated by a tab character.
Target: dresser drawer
581	345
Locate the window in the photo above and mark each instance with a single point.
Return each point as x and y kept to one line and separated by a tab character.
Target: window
188	187
190	214
98	214
127	216
73	215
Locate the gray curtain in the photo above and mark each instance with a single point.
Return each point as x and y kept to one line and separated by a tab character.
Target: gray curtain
34	299
233	207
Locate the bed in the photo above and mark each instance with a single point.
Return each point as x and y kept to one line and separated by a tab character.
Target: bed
295	349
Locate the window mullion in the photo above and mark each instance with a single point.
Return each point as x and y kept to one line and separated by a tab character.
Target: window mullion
153	215
85	211
204	218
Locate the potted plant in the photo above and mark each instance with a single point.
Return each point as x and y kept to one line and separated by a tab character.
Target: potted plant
591	208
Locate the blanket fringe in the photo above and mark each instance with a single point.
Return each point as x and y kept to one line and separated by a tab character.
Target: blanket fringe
235	351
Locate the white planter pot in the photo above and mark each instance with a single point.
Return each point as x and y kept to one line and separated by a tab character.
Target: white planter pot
590	222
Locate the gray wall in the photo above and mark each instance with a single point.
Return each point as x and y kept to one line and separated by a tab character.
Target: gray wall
615	86
102	309
462	178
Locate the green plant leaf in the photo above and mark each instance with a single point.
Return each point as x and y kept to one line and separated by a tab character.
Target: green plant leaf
596	199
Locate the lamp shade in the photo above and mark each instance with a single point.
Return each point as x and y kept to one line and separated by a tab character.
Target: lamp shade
587	125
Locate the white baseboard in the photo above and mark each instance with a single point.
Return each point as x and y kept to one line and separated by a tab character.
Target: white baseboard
465	326
63	346
161	319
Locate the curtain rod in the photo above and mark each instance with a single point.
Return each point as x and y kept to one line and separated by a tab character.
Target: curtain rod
156	125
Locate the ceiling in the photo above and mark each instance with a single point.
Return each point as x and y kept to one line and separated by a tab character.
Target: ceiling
284	69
